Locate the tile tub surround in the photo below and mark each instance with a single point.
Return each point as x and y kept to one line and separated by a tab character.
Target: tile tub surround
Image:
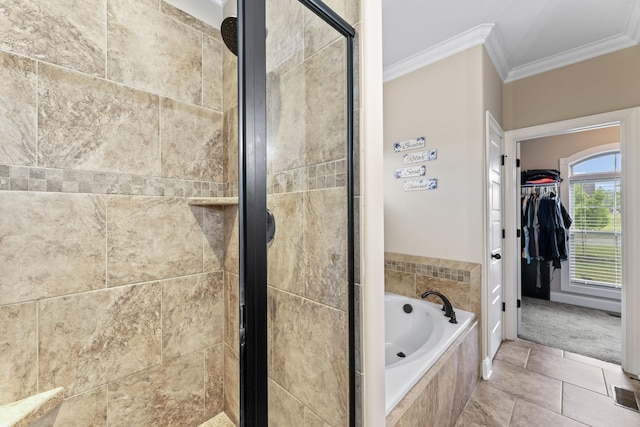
112	286
411	275
440	396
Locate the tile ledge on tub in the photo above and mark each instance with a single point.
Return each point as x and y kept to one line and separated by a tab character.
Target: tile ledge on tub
26	411
212	201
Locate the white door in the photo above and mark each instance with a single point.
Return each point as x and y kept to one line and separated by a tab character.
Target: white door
495	238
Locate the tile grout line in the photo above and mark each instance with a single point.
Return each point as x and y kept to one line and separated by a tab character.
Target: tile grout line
37	113
37	345
513	410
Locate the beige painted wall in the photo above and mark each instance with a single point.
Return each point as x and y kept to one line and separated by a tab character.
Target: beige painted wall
445	103
606	83
545	153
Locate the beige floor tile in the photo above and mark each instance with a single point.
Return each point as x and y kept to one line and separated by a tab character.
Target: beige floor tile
620	378
576	373
527	414
529	385
531	344
487	407
595	409
590	361
514	353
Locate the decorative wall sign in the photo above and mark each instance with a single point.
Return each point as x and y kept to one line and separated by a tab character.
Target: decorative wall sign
422	156
410	172
409	144
422	184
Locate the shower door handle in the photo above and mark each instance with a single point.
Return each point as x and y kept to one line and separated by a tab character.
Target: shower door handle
271	228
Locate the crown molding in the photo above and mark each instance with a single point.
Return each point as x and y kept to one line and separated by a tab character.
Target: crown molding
495	49
488	35
463	41
220	3
570	57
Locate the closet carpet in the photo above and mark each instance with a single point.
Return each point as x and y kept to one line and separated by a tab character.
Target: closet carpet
586	331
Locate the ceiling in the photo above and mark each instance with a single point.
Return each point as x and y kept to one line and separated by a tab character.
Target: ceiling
522	37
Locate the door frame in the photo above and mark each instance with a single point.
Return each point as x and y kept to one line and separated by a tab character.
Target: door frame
629	132
492	125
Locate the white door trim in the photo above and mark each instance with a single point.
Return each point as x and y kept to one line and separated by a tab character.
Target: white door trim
629	132
492	126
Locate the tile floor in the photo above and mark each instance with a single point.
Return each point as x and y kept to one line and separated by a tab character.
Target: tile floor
533	385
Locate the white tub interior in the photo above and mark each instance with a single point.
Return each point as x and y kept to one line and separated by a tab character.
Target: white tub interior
414	341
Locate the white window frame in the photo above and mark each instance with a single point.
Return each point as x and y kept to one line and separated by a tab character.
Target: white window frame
565	167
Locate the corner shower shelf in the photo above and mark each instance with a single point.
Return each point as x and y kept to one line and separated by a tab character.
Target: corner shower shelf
212	201
27	411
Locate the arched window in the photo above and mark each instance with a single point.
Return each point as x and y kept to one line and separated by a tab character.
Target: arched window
595	238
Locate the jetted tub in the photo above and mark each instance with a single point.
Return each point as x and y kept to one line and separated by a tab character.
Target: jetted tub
414	341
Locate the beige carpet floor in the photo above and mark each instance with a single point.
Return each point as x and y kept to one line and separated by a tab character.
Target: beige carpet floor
586	331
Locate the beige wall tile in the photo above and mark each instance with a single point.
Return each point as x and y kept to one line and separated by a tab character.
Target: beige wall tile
69	33
91	124
231	243
52	244
317	33
189	20
86	409
231	145
18	114
212	73
229	79
285	42
232	384
456	292
89	339
286	112
325	216
152	238
313	420
421	412
400	283
18	352
152	51
192	314
232	310
446	380
325	92
284	409
309	354
213	230
214	380
286	254
191	139
167	394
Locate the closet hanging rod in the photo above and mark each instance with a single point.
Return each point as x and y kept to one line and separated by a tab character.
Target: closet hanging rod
549	184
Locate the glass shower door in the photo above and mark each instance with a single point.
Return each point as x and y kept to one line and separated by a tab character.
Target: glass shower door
309	190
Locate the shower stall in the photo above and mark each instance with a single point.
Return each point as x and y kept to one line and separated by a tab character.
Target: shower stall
141	282
296	148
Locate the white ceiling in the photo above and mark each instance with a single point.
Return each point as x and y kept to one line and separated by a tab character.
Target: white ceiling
523	37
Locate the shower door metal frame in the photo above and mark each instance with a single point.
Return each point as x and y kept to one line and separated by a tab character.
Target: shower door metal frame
252	186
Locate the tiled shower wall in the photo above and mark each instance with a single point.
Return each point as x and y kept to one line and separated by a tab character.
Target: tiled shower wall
111	285
411	275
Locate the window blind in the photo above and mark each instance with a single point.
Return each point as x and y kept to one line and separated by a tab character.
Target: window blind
595	238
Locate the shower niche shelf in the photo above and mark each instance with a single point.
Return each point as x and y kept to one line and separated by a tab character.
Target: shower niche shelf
212	201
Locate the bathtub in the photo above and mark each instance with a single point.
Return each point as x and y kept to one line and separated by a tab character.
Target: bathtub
414	341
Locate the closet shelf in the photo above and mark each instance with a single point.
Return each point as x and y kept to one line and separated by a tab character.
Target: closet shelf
212	201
